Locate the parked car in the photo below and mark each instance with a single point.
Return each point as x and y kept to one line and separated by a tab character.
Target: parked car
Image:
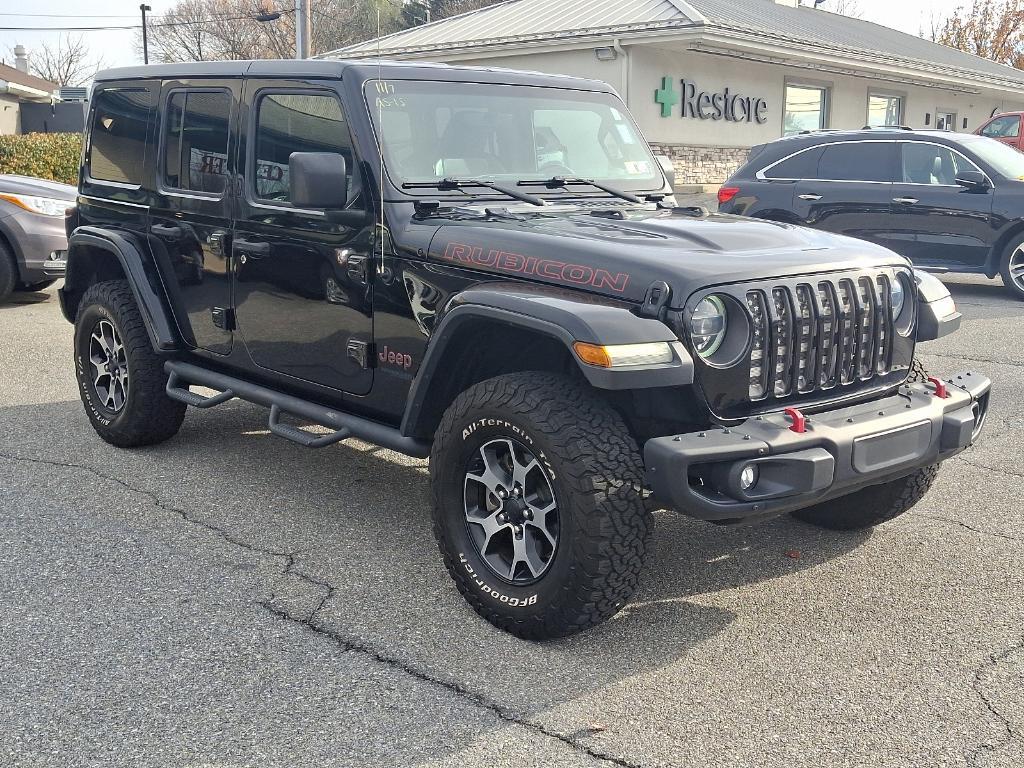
33	241
1004	128
950	202
395	252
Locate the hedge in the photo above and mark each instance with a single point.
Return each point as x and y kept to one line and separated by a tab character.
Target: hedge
53	156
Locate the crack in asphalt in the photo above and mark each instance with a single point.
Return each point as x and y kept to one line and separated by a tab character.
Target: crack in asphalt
310	621
991	360
1012	734
996	470
501	712
962	524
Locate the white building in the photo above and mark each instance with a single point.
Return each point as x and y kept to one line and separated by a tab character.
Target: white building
708	79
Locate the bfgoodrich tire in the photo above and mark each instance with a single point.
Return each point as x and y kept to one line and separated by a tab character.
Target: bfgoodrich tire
120	377
871	506
538	506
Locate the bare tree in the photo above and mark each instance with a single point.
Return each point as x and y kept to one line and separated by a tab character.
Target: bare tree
992	29
69	62
846	8
211	30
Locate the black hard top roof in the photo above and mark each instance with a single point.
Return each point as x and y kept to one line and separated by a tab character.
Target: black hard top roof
336	69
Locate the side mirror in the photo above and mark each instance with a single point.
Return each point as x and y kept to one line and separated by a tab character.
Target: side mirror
973	181
670	171
318	180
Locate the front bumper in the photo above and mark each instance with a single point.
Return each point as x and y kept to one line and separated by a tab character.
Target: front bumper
40	243
841	451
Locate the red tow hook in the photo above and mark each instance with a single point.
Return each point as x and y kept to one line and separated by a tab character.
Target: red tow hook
940	388
799	420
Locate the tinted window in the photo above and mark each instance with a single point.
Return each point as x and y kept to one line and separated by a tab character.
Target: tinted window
932	164
296	122
196	140
117	139
1003	127
856	161
800	166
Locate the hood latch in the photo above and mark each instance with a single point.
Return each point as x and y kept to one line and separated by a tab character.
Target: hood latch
655	300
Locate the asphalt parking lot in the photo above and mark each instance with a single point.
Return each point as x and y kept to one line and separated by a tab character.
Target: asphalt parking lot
230	599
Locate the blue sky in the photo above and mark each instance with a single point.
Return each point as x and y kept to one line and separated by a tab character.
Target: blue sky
118	47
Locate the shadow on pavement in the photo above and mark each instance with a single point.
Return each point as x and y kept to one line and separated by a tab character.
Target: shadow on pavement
359	519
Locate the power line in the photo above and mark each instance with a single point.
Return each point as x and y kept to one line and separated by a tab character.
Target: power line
187	23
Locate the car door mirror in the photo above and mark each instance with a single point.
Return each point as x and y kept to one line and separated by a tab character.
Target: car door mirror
973	181
318	180
670	171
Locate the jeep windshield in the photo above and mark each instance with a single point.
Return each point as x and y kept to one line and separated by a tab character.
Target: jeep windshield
517	135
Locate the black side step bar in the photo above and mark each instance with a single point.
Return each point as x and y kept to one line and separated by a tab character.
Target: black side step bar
182	375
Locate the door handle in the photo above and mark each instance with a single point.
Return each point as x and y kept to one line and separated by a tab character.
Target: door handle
905	200
252	247
809	197
165	230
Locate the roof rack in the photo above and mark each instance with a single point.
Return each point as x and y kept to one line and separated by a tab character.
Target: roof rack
887	128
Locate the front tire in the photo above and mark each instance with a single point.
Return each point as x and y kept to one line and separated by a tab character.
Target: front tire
120	378
871	506
1011	267
8	273
537	504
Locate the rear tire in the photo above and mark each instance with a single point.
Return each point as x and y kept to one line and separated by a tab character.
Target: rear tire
561	467
871	506
120	378
8	273
1011	267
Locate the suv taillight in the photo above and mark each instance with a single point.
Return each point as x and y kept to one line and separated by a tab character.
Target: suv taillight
725	194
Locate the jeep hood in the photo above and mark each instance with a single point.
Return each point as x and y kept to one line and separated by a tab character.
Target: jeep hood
621	254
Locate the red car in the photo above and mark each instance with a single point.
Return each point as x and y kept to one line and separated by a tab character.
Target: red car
1005	127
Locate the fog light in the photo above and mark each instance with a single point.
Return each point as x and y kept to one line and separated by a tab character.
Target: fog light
748	477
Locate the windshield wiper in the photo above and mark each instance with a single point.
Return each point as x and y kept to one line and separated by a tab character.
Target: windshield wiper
562	182
450	183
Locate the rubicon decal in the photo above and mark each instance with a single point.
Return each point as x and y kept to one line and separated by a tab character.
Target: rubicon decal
504	261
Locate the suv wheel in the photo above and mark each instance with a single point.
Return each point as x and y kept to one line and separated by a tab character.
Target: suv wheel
538	505
8	273
1012	266
871	506
120	377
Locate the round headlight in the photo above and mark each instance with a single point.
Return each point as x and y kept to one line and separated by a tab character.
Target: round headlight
708	325
897	295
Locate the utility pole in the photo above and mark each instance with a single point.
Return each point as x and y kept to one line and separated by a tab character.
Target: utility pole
303	29
145	38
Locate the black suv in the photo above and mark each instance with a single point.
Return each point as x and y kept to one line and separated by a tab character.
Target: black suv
950	202
488	268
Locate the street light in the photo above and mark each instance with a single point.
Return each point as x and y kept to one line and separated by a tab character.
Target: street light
145	39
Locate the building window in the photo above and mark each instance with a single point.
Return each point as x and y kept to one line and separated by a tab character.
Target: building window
884	109
806	108
945	121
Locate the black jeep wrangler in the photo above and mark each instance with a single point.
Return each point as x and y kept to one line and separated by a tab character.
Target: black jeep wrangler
489	268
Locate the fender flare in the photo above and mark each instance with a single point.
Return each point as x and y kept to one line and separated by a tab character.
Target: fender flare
159	324
564	316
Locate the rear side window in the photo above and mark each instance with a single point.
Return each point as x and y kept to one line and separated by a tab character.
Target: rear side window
800	166
931	164
117	137
296	122
857	161
195	141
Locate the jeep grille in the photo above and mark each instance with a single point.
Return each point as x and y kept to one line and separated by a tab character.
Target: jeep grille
814	339
816	336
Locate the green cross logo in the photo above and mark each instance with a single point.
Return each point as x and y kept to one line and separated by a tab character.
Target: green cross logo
666	96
